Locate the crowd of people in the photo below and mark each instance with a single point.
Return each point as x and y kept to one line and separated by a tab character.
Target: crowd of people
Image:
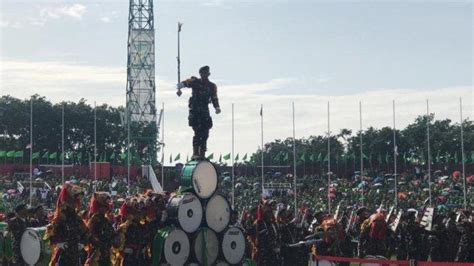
111	223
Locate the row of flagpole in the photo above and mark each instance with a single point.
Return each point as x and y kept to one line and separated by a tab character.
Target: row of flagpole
62	146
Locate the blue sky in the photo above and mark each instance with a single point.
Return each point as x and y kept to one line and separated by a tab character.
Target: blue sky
271	52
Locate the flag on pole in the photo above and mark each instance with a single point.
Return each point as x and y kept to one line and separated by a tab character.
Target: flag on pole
210	157
220	158
245	156
11	154
387	158
53	155
3	154
28	146
303	157
326	158
226	157
237	157
35	155
177	157
45	155
278	156
320	157
171	157
311	158
286	157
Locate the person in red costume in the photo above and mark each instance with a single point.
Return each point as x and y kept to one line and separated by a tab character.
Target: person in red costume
67	232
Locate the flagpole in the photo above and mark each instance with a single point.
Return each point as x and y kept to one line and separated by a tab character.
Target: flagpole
261	130
462	155
31	151
294	158
233	174
329	163
395	151
428	147
163	146
95	144
361	150
62	146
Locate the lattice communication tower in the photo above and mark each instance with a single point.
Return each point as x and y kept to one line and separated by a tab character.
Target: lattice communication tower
141	105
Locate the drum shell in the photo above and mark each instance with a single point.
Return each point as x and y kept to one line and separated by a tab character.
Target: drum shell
173	208
195	240
158	255
214	215
45	254
188	176
222	235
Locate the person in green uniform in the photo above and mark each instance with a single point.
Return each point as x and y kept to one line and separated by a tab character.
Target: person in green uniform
203	93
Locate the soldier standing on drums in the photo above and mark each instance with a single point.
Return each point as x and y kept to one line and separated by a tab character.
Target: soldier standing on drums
203	92
17	225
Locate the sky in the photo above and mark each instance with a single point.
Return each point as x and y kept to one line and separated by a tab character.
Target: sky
260	52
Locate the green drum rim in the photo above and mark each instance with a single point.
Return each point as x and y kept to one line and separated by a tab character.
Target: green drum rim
158	244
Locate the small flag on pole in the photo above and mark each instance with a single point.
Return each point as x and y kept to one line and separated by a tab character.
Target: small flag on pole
177	157
210	157
28	146
237	157
226	157
245	157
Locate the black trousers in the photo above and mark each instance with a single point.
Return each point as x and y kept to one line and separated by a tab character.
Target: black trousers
201	134
201	122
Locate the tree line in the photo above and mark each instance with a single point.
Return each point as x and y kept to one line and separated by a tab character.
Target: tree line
311	153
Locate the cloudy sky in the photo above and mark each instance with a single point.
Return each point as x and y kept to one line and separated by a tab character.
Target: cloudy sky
260	52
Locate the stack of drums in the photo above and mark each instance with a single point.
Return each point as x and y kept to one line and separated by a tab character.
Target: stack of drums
200	233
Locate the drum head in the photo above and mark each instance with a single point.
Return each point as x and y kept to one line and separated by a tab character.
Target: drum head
30	246
190	213
217	213
204	179
206	244
176	248
233	245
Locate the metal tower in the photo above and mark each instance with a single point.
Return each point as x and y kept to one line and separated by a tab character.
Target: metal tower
141	107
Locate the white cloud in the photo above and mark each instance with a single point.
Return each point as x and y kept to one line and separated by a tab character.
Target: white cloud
60	81
75	11
106	19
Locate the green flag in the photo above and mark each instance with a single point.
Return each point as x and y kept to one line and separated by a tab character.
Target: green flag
237	157
326	158
11	154
226	157
320	158
112	156
210	157
171	157
437	158
277	157
220	158
45	155
18	154
53	155
123	156
472	156
3	154
311	158
303	157
35	155
245	156
177	157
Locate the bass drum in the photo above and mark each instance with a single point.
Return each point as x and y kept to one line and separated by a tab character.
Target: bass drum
217	213
32	247
205	246
233	245
170	247
186	211
201	176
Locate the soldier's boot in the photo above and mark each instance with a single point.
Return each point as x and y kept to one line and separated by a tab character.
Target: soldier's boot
202	152
195	153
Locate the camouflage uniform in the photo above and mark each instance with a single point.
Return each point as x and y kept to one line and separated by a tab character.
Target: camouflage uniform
466	244
203	92
101	237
